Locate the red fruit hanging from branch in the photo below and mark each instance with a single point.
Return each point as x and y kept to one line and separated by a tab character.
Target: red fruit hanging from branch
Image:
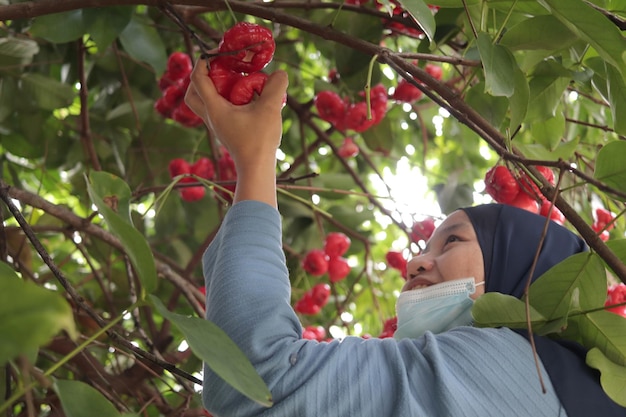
247	47
336	244
315	262
338	268
501	185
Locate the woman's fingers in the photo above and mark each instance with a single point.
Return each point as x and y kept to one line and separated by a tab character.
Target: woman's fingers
275	89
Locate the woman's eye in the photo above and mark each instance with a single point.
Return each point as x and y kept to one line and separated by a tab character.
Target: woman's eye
452	238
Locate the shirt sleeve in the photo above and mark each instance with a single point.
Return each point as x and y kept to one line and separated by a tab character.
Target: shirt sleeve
462	372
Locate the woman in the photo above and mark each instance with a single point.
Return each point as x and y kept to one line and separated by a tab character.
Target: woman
462	371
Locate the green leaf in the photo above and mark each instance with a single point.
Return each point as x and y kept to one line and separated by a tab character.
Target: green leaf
548	133
610	167
419	10
17	51
612	378
618	246
111	196
106	23
59	27
519	99
494	309
142	41
498	64
220	353
538	151
491	108
552	293
80	400
29	315
606	331
546	92
539	32
48	93
584	21
616	88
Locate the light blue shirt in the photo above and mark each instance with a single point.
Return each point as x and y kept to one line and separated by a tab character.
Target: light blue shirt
463	372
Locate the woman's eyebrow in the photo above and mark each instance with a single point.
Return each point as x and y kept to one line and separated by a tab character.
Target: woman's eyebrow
447	230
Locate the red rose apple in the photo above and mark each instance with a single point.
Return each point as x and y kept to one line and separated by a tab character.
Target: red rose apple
501	185
247	47
338	268
315	262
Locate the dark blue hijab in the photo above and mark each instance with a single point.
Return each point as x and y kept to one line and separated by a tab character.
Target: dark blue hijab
509	237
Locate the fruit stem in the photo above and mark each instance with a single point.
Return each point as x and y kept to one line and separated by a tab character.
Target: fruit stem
368	86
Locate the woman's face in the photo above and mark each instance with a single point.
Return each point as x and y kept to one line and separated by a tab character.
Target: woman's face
451	253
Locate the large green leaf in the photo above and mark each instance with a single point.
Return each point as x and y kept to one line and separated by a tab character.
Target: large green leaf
29	315
616	88
612	375
539	32
419	10
491	108
585	21
618	246
494	309
59	27
142	41
610	167
546	91
17	51
111	196
548	133
539	151
606	331
220	353
519	101
498	64
81	400
581	275
106	23
48	93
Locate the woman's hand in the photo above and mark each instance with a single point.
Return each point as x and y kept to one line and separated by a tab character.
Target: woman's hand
250	132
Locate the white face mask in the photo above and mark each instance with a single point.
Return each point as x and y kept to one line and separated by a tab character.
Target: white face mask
436	308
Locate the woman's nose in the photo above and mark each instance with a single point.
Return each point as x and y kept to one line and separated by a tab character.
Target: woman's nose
420	263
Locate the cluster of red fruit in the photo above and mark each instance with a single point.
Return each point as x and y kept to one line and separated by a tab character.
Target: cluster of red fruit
617	295
329	260
314	333
202	168
343	114
318	262
244	50
173	85
313	300
406	92
520	191
603	222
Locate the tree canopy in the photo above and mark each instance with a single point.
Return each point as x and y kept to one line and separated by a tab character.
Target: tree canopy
397	113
